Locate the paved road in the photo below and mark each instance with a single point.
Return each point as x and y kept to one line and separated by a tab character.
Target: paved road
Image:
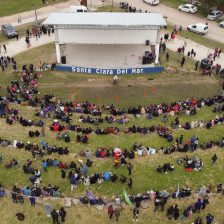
42	13
173	15
176	17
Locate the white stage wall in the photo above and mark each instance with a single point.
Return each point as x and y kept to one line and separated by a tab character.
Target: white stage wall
83	36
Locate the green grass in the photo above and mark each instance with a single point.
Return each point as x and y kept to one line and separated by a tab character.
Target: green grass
143	167
109	8
82	214
10	7
131	90
165	87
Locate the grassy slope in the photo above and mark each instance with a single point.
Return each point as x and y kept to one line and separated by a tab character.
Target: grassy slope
144	168
10	7
169	86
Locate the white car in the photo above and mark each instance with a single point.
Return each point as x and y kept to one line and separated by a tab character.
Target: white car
214	14
152	2
188	8
199	28
221	24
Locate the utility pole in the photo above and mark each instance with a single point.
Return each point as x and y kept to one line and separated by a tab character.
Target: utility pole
35	14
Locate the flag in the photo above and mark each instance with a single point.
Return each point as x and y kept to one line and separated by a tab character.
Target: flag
177	191
90	195
126	198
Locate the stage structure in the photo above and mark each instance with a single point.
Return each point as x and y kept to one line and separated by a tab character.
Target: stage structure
106	41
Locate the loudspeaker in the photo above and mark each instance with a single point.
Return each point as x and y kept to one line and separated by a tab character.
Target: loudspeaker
63	59
147	42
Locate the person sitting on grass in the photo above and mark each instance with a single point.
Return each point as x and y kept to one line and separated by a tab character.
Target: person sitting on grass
2	191
11	163
123	178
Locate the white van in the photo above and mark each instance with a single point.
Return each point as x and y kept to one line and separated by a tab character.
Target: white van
152	2
199	28
78	8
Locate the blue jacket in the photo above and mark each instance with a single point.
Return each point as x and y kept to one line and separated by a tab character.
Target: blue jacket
72	179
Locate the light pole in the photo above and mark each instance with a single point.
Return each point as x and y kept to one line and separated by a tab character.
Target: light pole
35	14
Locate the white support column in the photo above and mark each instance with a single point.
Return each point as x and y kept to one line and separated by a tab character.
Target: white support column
57	46
157	47
157	53
58	53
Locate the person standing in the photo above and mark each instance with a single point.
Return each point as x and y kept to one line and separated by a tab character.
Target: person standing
209	219
196	65
54	216
72	181
219	52
130	183
129	167
28	33
110	211
117	213
135	214
62	214
167	57
176	212
44	165
214	159
192	52
63	174
5	49
49	32
32	201
182	62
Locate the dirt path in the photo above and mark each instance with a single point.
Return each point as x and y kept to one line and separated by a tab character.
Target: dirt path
164	81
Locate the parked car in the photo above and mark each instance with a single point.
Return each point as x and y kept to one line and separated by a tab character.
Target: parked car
199	28
79	8
205	63
214	14
9	31
188	8
152	2
221	24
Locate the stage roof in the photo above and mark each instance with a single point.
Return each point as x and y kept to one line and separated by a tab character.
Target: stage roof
106	20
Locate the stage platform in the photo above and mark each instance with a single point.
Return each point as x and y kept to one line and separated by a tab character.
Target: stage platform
105	56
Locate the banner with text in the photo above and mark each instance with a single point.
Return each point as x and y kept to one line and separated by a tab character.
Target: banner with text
106	71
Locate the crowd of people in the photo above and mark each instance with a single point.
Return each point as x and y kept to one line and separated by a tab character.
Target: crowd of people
26	92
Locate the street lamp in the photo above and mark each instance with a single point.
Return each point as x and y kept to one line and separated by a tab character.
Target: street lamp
35	12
